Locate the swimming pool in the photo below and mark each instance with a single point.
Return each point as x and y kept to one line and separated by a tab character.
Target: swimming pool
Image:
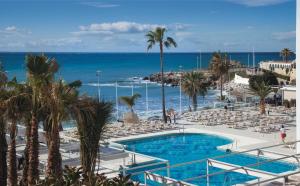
180	148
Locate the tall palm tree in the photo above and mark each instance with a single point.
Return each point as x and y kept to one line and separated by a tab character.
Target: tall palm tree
157	36
40	72
3	142
16	106
129	100
91	118
262	90
194	84
60	97
219	65
285	54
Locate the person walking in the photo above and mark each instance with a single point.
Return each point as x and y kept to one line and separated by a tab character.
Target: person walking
282	133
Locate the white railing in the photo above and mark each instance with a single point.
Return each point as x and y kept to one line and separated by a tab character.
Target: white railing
259	153
126	169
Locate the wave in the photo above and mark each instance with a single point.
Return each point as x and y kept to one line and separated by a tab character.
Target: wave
111	85
101	84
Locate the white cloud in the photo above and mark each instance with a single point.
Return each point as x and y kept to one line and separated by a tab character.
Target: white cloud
11	29
177	26
116	27
100	4
60	42
124	27
284	36
257	3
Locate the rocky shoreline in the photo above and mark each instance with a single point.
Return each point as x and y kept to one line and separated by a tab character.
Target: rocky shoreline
171	78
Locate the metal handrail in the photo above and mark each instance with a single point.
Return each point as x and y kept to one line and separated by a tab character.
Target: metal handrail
272	179
167	178
125	168
239	167
231	154
222	156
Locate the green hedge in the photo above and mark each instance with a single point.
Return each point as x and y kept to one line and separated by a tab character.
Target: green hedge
287	78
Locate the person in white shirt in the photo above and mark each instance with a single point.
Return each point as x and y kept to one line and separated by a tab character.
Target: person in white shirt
282	133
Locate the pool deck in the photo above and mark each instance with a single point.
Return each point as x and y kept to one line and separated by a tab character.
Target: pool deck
245	139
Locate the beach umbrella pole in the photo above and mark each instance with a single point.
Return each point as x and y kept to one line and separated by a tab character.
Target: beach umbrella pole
98	85
117	102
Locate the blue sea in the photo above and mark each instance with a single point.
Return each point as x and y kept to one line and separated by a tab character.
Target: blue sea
128	69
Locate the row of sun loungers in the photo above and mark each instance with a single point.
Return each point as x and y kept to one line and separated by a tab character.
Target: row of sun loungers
239	119
144	127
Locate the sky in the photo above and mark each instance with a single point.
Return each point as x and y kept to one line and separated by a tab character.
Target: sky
121	25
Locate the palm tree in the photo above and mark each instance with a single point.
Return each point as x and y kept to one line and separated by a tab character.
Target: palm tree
219	65
60	97
3	143
285	54
40	72
91	118
16	106
194	84
129	100
158	36
262	90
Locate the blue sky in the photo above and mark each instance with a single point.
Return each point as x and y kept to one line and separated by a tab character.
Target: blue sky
120	26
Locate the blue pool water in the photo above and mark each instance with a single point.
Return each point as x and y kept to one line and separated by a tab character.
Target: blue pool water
179	148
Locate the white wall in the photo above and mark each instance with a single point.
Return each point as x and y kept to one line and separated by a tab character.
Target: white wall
240	80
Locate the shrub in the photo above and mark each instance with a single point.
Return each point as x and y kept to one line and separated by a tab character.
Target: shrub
268	77
75	177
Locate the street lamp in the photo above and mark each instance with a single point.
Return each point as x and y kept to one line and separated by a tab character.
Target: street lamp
117	102
197	63
98	85
180	71
200	60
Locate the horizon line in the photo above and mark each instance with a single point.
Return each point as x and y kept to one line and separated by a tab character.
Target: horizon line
120	52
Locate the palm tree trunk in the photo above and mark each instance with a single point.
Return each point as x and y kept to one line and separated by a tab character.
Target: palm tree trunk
54	162
85	157
26	155
88	160
162	83
195	105
12	168
3	151
33	171
262	106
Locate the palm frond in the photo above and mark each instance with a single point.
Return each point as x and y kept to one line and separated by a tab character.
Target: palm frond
129	100
172	42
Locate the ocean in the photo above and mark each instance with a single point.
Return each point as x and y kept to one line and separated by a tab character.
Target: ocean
128	70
